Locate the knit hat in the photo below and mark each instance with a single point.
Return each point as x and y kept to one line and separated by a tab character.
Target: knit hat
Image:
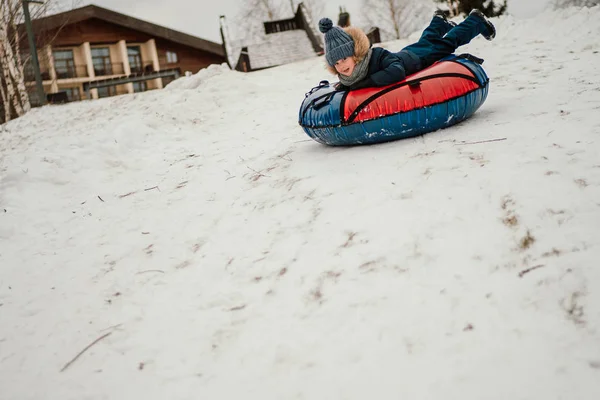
338	44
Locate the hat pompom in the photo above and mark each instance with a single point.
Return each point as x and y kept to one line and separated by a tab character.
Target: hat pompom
325	24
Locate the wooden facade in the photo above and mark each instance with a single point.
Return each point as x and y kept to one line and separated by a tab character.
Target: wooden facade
83	51
188	59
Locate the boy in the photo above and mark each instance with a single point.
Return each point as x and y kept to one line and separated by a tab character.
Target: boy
349	55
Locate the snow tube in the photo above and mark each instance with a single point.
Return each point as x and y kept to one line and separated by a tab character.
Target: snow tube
442	95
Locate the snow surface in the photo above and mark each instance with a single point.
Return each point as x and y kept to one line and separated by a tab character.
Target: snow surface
228	256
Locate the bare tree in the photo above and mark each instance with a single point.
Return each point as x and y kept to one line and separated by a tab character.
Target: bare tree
13	88
491	8
15	101
396	19
575	3
314	8
253	13
249	21
452	5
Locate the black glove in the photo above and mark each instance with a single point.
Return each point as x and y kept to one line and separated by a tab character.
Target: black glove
341	88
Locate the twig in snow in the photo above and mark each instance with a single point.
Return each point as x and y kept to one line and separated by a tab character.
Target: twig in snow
258	174
67	365
151	270
482	141
230	176
154	187
528	270
100	198
127	194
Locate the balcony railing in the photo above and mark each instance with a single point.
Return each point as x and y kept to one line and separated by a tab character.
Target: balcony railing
280	26
68	72
142	69
109	69
80	71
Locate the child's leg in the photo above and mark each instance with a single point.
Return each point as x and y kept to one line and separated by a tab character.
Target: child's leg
458	36
437	28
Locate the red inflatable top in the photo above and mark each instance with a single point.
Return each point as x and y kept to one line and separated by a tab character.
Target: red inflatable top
443	81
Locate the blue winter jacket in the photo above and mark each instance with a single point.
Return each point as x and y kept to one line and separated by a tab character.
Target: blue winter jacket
386	68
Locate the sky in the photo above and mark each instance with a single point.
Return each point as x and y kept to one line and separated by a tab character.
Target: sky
201	17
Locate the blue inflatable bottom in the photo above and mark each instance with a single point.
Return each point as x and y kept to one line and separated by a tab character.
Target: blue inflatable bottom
404	125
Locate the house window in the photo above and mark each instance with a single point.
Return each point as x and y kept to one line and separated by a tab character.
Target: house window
106	91
64	64
171	57
139	87
72	93
28	68
101	61
134	54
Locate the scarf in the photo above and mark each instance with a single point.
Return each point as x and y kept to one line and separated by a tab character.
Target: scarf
359	73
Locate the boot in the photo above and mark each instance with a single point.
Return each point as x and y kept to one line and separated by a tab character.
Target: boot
491	34
441	14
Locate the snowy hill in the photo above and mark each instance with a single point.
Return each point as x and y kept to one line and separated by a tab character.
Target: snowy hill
206	248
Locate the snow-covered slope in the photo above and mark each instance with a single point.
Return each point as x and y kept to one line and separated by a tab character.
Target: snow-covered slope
216	252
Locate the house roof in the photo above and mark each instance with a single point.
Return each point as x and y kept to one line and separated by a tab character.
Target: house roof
281	48
93	11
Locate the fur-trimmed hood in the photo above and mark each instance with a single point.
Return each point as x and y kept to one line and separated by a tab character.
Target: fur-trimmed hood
361	46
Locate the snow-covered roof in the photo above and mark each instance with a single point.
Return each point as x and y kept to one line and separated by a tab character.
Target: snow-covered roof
280	48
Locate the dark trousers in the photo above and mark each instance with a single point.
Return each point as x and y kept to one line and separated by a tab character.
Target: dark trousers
440	39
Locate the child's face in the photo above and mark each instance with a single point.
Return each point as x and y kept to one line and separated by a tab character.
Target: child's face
345	66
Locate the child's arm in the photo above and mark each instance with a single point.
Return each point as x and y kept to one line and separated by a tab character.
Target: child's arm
391	70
